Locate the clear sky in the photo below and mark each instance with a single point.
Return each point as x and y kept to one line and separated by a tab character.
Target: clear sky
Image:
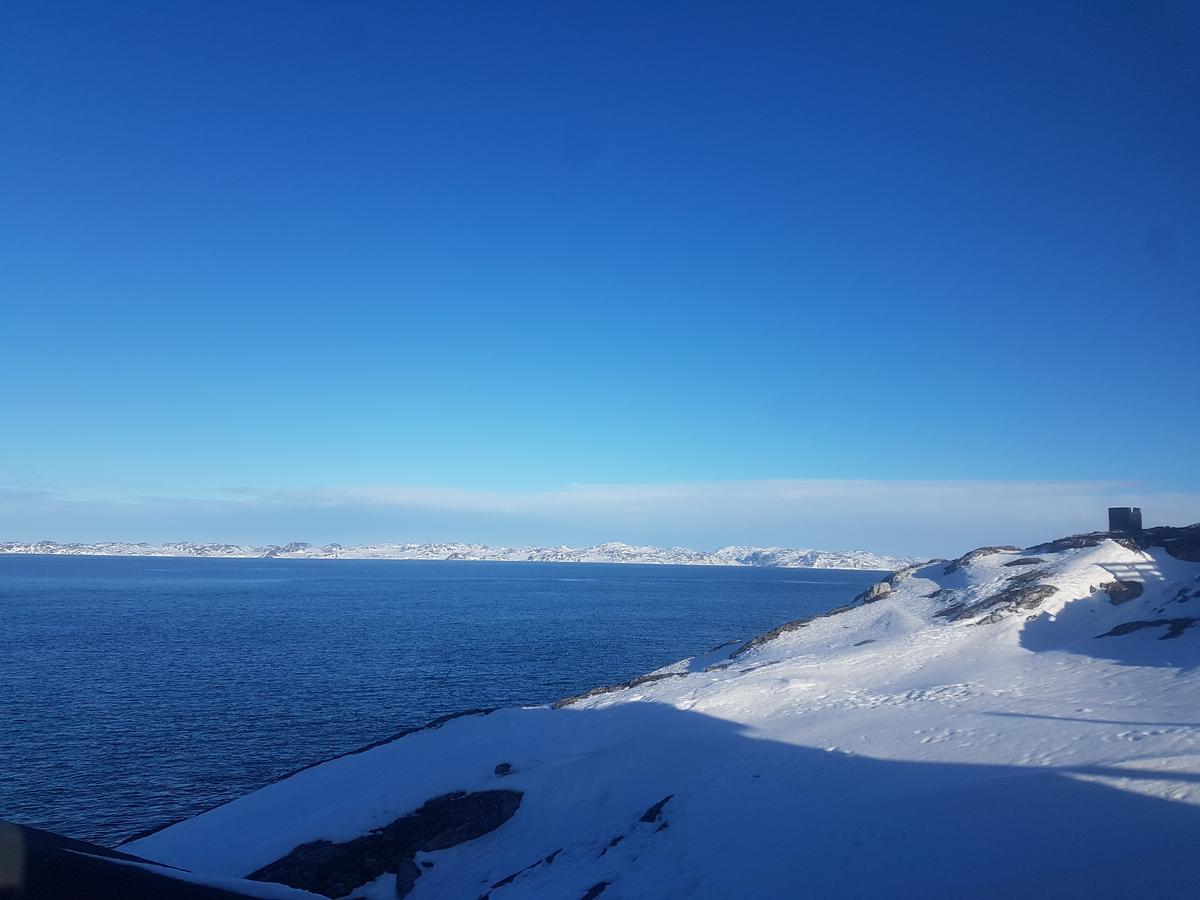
901	276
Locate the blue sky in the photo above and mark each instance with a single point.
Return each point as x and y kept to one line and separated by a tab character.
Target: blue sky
583	271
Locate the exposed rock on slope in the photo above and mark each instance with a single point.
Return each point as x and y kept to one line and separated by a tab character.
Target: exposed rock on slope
335	869
1181	543
874	593
967	558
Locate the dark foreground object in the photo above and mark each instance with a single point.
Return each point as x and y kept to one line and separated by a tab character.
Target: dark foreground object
39	865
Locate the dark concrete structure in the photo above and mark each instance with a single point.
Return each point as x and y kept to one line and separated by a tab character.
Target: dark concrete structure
40	865
1124	518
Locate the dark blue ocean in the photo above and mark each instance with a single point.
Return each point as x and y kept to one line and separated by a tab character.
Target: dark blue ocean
134	691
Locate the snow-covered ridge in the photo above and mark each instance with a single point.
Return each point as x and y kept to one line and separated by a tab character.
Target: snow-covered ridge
1012	723
612	552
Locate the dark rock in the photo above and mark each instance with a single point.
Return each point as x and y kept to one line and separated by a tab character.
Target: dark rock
503	769
428	864
1025	561
781	630
1182	543
877	591
1122	591
335	869
1175	627
595	890
1020	593
610	688
975	554
864	643
654	813
908	571
1184	593
1080	541
776	632
881	589
1024	579
509	879
407	874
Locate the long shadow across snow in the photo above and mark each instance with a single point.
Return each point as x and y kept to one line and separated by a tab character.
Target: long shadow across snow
783	820
738	815
1083	627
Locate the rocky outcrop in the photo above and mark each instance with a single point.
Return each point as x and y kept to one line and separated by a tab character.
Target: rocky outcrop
781	630
1182	543
609	688
1082	541
509	879
1021	592
335	869
1122	591
966	558
881	589
654	813
875	592
1175	627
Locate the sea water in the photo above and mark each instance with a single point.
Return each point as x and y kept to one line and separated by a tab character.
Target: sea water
139	690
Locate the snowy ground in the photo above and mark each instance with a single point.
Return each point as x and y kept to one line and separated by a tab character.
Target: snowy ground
885	751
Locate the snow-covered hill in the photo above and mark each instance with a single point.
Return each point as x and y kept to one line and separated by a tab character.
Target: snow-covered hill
1012	723
613	552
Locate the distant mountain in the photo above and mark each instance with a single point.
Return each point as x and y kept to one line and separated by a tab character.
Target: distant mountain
612	552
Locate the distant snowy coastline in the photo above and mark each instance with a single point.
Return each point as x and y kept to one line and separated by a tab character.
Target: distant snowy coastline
612	552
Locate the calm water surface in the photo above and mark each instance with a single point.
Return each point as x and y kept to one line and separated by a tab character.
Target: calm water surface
134	691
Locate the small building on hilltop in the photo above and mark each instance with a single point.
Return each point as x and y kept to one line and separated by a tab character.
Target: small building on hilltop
1124	518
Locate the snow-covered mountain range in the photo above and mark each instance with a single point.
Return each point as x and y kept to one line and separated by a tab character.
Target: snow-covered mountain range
613	552
1014	723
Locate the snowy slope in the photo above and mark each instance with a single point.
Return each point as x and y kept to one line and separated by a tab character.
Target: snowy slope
1000	726
611	552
